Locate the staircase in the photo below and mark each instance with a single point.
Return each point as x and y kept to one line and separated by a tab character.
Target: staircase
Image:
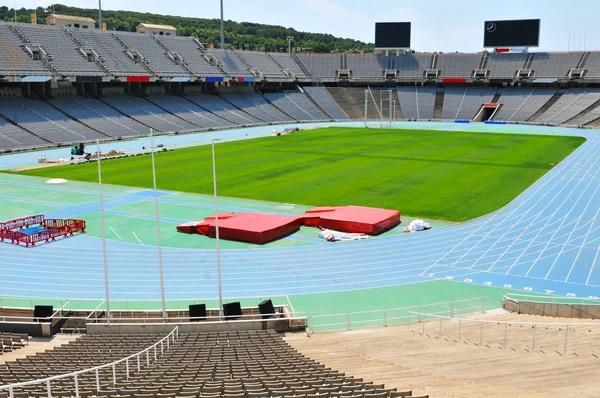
497	95
131	52
301	65
434	61
44	57
276	62
529	61
300	90
173	56
440	364
583	61
547	105
439	103
484	61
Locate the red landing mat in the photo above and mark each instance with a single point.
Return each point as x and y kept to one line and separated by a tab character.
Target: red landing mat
353	219
259	228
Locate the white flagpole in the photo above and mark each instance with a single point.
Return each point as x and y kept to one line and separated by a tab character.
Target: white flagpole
217	232
108	317
160	261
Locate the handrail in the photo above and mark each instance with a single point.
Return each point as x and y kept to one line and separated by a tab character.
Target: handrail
148	319
506	324
171	336
553	299
385	316
497	322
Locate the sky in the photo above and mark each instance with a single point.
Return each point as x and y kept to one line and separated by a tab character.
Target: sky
437	25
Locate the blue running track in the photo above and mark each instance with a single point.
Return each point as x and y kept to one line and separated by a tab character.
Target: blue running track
546	241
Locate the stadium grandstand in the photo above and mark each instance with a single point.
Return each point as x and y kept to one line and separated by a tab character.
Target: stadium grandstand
85	107
431	314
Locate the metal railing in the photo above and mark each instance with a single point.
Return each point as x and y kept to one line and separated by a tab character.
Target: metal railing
551	299
431	319
391	316
93	317
122	305
136	358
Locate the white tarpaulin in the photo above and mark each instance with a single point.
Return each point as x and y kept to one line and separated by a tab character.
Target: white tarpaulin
417	225
335	236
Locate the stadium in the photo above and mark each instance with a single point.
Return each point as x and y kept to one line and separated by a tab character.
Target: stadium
186	219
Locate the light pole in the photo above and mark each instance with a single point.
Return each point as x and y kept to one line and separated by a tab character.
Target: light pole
222	28
100	14
160	260
217	230
103	233
290	39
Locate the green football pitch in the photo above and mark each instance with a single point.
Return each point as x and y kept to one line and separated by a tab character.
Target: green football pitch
454	176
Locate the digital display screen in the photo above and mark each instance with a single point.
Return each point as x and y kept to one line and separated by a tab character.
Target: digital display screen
516	33
391	35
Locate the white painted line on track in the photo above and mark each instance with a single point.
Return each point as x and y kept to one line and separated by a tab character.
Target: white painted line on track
115	232
138	239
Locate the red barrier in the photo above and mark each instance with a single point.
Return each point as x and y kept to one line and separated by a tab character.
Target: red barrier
53	229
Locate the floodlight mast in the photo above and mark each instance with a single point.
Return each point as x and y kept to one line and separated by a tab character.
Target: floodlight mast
99	14
222	28
290	39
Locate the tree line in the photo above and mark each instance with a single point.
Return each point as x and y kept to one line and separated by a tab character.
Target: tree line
238	35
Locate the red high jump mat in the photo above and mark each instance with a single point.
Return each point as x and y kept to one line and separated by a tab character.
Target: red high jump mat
259	228
353	219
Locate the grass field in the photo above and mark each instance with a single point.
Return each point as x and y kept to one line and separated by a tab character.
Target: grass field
443	175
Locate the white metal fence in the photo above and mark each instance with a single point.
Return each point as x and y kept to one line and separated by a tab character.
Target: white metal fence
503	331
138	360
552	299
392	316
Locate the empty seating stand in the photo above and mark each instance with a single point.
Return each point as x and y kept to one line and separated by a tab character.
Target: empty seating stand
572	102
193	55
257	106
189	111
12	341
231	62
45	121
155	55
465	102
367	66
412	65
321	65
14	137
505	65
100	116
244	364
417	102
14	60
458	65
552	65
264	63
325	101
114	56
519	104
297	105
62	49
223	109
149	114
288	62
